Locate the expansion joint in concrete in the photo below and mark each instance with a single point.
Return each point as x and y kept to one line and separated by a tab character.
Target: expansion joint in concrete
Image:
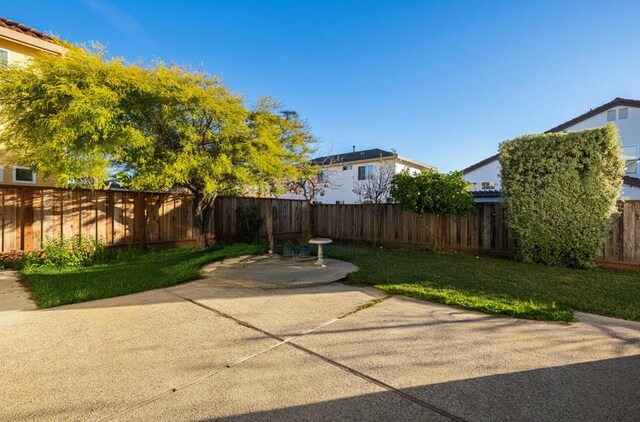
289	341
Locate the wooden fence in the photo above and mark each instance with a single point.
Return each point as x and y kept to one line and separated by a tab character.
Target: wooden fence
484	230
32	215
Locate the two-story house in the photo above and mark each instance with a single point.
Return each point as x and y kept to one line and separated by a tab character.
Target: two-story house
484	176
342	172
18	43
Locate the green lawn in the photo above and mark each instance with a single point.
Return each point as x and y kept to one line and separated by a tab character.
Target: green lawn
489	285
128	273
495	286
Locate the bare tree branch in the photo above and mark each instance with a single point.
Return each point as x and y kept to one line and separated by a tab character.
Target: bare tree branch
376	187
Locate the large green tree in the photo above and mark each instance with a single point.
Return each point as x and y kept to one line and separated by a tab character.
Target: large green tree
83	118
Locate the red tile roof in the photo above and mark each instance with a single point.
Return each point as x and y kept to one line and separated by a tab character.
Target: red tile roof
24	29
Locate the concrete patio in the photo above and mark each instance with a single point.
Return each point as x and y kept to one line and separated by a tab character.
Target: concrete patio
203	351
275	272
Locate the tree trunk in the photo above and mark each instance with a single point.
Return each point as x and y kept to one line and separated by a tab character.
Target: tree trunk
202	210
311	226
270	227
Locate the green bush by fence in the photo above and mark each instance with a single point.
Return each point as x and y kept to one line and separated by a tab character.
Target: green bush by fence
432	193
560	193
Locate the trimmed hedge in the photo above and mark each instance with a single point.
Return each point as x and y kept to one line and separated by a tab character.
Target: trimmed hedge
560	192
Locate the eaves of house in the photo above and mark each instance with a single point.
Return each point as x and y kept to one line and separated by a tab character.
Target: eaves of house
29	37
369	155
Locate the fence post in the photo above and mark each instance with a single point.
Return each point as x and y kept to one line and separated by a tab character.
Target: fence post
26	235
311	218
269	218
140	219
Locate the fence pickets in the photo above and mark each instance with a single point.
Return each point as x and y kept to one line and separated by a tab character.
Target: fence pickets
483	230
31	215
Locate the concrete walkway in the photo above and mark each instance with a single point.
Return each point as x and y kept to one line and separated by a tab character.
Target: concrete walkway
202	351
13	295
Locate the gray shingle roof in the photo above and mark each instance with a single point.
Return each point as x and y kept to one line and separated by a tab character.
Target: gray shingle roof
369	154
485	193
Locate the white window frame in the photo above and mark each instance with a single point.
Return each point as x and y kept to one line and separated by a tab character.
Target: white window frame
615	115
371	173
492	186
366	175
627	111
8	55
636	155
32	182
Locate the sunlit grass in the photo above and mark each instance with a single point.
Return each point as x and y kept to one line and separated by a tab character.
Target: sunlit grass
494	286
129	273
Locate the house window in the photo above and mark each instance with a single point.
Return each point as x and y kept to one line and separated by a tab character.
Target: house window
623	113
488	185
339	202
472	186
345	168
1	173
365	172
23	175
611	115
323	176
630	157
4	58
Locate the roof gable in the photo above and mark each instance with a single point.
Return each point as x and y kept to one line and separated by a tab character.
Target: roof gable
604	107
480	164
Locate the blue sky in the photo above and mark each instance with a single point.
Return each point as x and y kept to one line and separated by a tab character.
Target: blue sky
442	82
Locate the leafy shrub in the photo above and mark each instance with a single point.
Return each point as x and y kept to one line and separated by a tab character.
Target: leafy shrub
560	193
69	252
432	193
249	221
11	259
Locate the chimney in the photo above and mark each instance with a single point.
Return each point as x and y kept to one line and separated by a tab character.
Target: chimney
354	148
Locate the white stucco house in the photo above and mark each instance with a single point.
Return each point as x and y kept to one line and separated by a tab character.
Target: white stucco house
484	176
343	171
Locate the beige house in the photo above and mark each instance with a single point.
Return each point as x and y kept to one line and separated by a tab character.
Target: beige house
18	43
